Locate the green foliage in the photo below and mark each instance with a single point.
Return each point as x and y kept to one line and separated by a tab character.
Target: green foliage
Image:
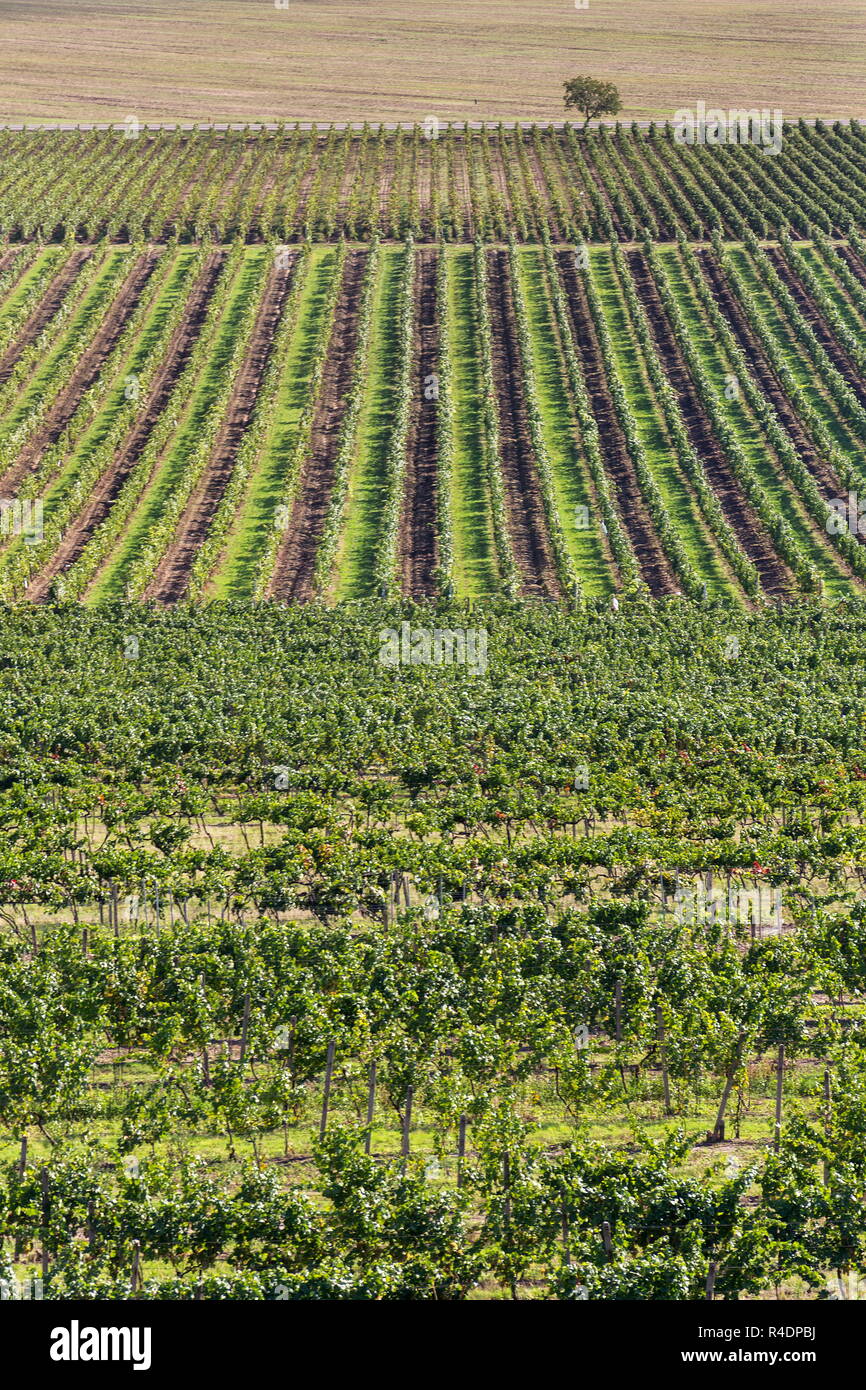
592	98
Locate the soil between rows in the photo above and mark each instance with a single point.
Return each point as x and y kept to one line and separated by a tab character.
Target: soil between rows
776	579
813	316
824	475
523	501
418	547
65	404
98	506
44	311
170	581
654	565
296	557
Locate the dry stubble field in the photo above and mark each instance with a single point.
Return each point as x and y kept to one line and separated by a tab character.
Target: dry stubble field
387	59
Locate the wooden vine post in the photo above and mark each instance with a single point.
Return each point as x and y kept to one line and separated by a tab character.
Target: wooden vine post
666	1085
329	1071
780	1076
371	1106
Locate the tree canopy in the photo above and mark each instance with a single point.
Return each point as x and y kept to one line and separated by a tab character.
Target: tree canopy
592	98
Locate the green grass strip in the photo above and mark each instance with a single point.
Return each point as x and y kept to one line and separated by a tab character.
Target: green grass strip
746	429
803	371
475	568
574	497
236	576
833	290
367	493
177	285
163	487
28	392
658	450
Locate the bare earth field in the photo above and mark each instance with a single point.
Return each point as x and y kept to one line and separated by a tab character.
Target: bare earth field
391	59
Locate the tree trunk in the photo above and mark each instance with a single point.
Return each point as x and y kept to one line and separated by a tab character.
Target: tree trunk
717	1135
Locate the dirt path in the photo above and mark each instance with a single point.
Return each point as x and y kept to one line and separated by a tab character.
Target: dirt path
586	148
44	311
10	254
351	175
542	188
299	208
654	565
524	506
776	578
99	504
813	316
854	264
418	540
170	581
462	185
296	557
388	172
766	377
500	183
85	374
424	188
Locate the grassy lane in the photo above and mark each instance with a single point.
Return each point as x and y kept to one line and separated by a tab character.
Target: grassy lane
111	583
236	576
799	363
74	333
575	498
27	268
177	286
476	571
749	433
368	482
832	288
652	432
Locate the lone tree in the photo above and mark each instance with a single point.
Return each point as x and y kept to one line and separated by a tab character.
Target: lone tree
592	98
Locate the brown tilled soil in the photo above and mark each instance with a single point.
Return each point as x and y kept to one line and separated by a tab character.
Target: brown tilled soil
417	542
45	310
524	506
303	190
653	562
388	173
497	172
171	578
587	150
349	177
766	378
10	254
389	60
296	557
775	577
813	316
66	402
536	170
102	498
462	186
855	265
423	182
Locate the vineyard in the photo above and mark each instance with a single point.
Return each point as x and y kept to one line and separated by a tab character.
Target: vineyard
432	181
336	421
432	714
326	980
